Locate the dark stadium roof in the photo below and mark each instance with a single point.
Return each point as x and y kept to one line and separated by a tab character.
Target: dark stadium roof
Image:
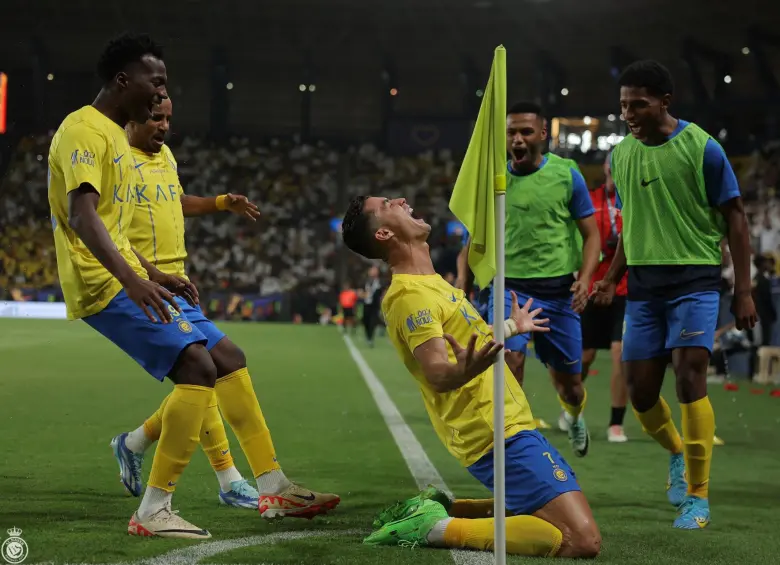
349	43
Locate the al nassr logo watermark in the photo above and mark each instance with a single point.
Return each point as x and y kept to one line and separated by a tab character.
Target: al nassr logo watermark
14	549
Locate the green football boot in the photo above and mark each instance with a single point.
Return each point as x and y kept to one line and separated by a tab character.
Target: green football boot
404	508
412	530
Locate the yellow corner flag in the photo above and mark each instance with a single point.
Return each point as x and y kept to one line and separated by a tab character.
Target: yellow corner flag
483	174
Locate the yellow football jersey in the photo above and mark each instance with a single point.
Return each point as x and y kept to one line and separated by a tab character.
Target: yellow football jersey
157	230
418	308
90	148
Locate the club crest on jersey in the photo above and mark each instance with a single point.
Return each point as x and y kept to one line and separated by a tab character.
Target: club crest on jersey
560	474
185	327
422	318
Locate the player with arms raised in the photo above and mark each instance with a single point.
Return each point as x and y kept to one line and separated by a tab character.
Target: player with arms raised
679	199
449	350
157	232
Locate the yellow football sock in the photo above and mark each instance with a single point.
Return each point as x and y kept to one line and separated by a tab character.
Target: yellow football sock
698	424
472	508
182	420
525	535
213	438
571	410
657	423
239	405
153	424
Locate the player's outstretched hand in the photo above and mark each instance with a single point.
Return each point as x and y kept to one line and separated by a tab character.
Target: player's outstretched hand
744	310
579	297
151	297
241	206
603	293
525	318
470	361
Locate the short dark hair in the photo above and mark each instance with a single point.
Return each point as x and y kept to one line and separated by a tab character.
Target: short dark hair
648	74
526	107
357	232
123	50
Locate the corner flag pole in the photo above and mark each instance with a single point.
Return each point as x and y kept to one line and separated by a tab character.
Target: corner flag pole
499	467
478	202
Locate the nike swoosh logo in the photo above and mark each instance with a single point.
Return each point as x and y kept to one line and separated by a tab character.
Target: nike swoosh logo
302	497
571	362
139	165
689	335
225	452
646	183
171	484
116	160
453	298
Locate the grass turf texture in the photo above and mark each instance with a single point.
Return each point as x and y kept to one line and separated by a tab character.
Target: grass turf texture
65	391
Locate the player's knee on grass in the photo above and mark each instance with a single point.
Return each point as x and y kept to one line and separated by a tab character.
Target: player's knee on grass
194	367
571	514
690	368
228	357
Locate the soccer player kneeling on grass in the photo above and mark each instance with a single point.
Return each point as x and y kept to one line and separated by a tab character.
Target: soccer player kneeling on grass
449	349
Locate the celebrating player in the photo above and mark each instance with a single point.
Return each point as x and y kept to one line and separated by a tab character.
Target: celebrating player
679	199
157	232
602	327
547	210
449	350
92	195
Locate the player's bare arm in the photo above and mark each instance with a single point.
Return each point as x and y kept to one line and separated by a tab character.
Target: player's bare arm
591	251
742	306
465	278
444	376
604	290
173	283
85	222
235	203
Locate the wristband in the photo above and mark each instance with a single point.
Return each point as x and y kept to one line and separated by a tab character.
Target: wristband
510	328
222	202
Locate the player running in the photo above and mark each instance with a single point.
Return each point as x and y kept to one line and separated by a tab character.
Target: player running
679	199
602	326
428	321
157	232
550	234
92	197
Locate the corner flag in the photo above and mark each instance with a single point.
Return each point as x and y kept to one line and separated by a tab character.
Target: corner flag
483	173
478	201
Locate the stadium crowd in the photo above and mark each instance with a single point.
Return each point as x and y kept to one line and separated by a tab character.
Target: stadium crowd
293	249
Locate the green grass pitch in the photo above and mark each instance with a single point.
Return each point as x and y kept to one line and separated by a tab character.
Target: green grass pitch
65	391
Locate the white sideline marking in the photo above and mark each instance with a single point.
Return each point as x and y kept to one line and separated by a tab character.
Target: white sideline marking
193	554
417	460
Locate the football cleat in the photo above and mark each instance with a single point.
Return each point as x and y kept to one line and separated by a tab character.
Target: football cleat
406	507
165	524
241	495
411	531
615	434
296	502
130	464
676	485
694	514
579	436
